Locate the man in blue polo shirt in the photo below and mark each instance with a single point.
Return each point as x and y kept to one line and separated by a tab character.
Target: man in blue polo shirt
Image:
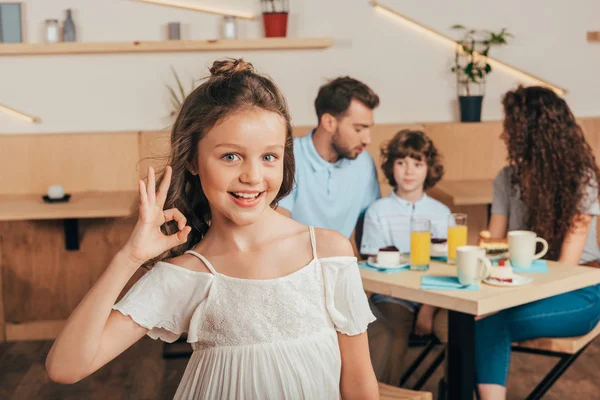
336	178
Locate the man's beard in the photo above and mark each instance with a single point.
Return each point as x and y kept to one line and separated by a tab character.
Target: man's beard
341	151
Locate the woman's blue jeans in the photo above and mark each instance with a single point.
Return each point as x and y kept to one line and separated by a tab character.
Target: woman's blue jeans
570	314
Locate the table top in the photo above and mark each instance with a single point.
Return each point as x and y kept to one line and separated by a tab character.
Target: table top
560	279
80	205
464	193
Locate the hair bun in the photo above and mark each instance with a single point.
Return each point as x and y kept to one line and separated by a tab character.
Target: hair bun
230	66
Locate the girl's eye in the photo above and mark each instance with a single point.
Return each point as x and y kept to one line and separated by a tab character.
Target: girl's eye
420	164
230	157
269	157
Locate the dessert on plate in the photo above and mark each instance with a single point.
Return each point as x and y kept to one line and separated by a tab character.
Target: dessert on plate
439	246
502	272
493	247
388	256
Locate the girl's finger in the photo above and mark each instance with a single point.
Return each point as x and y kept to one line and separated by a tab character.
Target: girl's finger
163	188
174	214
151	186
178	238
143	196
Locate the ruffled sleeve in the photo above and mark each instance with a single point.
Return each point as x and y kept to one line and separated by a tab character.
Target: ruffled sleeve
164	300
345	298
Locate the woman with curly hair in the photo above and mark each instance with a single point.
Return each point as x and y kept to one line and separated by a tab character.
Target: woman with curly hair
412	165
550	187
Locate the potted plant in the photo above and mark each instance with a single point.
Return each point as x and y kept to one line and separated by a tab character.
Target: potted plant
275	17
177	94
471	68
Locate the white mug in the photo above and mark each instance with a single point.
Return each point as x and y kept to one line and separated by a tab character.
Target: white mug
472	265
521	248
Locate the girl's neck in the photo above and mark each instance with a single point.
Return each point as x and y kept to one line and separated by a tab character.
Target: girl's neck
225	234
412	196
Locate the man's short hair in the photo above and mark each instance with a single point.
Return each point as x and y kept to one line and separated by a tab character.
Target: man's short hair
335	96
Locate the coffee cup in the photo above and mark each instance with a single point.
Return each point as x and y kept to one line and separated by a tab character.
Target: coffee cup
521	248
472	265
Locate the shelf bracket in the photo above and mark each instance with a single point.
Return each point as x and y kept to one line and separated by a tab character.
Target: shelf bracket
71	234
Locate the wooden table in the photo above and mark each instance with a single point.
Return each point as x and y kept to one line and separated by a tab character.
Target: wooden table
463	306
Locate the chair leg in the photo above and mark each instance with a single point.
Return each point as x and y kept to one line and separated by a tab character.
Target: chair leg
415	364
552	376
434	365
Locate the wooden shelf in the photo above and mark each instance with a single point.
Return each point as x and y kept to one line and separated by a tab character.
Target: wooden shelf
24	49
81	205
593	36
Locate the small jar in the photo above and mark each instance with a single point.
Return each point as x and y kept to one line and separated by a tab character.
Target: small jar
52	31
229	27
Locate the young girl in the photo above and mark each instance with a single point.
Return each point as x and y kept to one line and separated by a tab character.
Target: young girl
412	165
262	314
550	187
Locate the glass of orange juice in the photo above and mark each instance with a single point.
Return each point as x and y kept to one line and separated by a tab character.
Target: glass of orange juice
457	234
420	243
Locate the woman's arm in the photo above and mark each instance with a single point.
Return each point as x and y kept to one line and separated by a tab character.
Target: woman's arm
358	379
574	241
498	226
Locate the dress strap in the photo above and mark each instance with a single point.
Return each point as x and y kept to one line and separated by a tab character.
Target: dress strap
204	260
313	241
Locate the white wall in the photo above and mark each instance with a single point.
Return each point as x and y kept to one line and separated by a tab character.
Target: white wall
409	70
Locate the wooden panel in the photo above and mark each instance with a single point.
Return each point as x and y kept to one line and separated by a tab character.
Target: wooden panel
23	49
154	151
80	205
37	330
561	278
469	150
43	281
2	326
591	129
464	193
387	392
569	345
593	36
80	162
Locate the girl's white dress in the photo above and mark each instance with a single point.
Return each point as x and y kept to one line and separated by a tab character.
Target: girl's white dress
255	339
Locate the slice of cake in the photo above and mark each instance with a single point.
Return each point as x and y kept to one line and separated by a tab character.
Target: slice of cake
388	256
503	272
439	246
493	247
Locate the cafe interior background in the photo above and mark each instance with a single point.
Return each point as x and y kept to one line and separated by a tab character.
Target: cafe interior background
91	114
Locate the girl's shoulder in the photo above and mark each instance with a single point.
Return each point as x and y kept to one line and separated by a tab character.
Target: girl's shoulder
330	243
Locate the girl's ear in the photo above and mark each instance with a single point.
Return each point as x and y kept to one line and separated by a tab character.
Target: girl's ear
192	168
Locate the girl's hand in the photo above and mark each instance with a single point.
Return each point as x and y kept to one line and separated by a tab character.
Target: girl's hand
147	241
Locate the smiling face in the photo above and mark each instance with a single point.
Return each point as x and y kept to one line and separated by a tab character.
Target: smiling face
240	165
410	175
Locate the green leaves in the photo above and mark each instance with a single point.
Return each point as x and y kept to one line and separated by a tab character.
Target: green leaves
472	52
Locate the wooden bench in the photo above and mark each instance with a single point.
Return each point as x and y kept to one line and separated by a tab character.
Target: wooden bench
387	392
568	349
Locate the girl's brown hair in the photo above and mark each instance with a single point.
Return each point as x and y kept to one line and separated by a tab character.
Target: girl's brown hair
233	86
413	144
552	164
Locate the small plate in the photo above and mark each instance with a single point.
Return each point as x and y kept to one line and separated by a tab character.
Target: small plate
439	254
372	261
518	280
